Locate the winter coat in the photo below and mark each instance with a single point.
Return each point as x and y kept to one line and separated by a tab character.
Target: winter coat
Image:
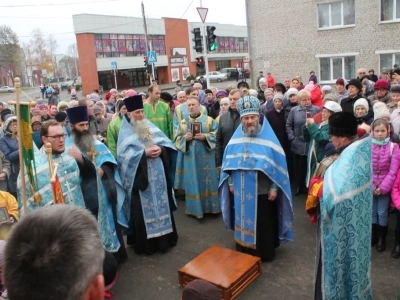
288	108
348	103
228	123
9	147
214	110
385	165
395	194
316	96
277	121
386	99
294	124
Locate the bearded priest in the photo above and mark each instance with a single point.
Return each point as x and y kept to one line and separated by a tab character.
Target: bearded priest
254	170
103	192
143	162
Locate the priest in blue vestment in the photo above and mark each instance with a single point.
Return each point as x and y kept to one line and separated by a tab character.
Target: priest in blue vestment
344	253
196	172
101	181
254	170
143	161
68	172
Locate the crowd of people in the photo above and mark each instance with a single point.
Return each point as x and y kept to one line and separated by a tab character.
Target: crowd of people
236	152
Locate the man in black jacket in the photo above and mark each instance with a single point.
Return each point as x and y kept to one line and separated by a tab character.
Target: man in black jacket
228	123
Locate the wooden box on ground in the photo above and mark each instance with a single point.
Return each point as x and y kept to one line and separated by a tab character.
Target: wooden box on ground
230	270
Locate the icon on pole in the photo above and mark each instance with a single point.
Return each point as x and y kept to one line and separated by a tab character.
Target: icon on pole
113	65
203	13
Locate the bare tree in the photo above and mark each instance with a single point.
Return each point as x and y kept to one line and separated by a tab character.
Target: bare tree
52	47
39	45
10	51
72	51
67	64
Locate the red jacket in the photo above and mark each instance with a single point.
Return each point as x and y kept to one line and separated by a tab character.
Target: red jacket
316	96
270	81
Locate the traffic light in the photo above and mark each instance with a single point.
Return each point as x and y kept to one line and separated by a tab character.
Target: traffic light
212	45
200	62
197	40
145	61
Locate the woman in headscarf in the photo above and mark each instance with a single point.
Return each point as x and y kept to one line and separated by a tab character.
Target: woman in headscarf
10	149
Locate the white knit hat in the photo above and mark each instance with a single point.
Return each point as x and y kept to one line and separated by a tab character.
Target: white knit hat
361	102
380	111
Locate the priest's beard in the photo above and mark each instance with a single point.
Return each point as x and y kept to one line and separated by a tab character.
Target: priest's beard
83	140
141	128
251	130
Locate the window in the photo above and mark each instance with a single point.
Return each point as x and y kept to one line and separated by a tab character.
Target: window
390	10
336	14
122	45
332	68
387	60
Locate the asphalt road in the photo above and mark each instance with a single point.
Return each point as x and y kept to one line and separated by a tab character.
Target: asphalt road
289	276
64	96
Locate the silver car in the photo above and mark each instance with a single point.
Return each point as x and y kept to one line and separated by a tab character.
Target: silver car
214	76
7	89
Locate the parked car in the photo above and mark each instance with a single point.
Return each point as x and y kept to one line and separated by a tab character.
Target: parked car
7	89
231	71
64	86
214	76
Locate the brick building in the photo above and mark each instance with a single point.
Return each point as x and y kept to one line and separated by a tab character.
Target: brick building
105	39
333	38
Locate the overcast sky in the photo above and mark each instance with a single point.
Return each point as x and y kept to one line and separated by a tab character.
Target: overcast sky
55	16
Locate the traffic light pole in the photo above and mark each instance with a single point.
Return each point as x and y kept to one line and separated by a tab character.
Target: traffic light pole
205	50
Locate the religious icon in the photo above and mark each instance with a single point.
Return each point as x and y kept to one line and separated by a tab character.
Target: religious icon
4	217
196	128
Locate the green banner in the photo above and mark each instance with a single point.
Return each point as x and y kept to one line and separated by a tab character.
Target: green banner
27	145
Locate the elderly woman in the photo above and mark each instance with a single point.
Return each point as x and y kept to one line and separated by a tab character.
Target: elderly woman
299	147
269	102
263	87
214	110
395	93
341	91
224	107
318	137
62	106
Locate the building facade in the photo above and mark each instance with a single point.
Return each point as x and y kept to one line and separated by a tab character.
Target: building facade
331	37
103	41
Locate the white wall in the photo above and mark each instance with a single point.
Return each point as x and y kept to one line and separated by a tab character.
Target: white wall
84	23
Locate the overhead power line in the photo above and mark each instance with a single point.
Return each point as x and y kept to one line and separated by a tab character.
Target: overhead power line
55	4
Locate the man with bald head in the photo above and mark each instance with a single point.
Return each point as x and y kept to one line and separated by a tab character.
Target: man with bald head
181	97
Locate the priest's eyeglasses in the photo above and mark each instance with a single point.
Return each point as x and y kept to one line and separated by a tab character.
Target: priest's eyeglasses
57	137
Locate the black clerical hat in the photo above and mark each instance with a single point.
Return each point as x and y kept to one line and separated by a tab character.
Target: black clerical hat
77	114
133	103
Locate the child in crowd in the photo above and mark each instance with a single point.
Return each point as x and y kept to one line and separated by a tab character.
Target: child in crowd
385	166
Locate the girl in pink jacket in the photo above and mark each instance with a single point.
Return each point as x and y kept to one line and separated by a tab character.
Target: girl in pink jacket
385	166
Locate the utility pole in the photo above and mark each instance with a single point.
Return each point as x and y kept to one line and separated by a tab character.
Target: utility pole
148	43
205	50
